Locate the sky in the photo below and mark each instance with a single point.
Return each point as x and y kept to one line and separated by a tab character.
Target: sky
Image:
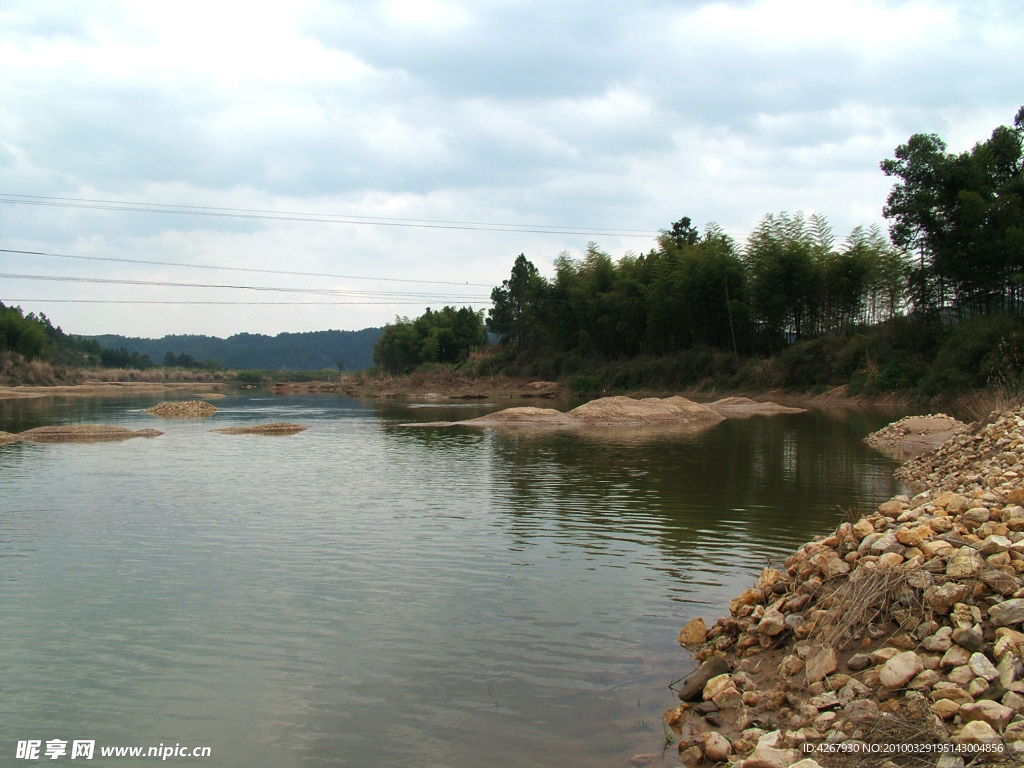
378	122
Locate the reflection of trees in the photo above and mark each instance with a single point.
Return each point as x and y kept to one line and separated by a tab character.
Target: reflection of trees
17	415
757	487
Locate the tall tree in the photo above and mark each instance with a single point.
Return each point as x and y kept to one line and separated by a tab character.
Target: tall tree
519	305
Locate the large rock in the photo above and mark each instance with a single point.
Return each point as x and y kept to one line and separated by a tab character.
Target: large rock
1000	581
991	712
955	657
772	623
723	692
970	638
942	599
891	509
863	528
982	667
770	757
747	597
965	564
821	662
977	732
716	747
692	688
694	633
900	669
1007	613
769	578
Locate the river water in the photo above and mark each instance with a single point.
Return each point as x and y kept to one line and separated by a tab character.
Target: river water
367	594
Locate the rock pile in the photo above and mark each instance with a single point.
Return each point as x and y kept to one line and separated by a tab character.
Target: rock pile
182	409
276	428
914	435
989	458
904	626
6	438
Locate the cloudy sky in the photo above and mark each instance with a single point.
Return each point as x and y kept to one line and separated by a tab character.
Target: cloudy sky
605	120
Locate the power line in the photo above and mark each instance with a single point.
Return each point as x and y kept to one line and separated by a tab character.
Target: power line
314	291
238	269
225	303
323	218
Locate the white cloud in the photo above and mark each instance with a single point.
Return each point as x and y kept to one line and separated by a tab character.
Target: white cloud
605	114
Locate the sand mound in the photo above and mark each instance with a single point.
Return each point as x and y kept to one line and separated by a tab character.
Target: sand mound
277	428
83	433
915	435
627	411
524	415
6	438
738	407
605	411
694	411
183	409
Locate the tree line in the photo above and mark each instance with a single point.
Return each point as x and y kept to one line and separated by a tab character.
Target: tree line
956	251
33	337
953	258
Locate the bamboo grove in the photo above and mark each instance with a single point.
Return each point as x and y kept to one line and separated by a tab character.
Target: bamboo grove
956	251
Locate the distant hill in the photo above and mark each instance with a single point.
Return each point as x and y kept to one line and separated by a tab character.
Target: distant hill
311	351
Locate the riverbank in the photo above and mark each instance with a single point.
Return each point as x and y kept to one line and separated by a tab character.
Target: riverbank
903	627
110	388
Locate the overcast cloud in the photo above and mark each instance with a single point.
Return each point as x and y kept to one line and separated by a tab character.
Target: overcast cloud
606	114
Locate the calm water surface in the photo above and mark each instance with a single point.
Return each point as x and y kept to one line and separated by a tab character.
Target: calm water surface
367	594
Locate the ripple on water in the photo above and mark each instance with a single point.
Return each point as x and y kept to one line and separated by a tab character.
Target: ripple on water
367	594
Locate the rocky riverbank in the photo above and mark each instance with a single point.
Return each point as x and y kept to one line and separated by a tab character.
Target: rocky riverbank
903	627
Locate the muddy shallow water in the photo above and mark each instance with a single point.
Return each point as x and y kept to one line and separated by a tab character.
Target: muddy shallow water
365	594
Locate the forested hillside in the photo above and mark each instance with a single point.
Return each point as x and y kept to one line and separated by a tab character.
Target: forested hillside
311	351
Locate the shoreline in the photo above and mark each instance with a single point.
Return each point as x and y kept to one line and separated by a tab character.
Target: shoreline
902	626
94	388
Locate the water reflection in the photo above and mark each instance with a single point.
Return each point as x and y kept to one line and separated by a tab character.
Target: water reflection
367	594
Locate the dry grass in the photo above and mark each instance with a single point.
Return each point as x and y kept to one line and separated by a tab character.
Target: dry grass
986	405
908	725
868	597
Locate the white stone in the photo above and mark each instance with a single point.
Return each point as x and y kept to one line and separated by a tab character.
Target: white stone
982	667
902	668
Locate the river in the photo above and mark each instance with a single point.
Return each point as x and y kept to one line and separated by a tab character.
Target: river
367	594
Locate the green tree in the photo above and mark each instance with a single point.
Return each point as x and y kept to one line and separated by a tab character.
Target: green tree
445	336
963	217
518	306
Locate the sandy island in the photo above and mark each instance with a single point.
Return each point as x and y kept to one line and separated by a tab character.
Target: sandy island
914	435
182	409
623	411
76	433
276	428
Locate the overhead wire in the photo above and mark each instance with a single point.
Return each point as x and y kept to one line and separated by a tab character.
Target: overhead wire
273	288
226	303
323	218
255	270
